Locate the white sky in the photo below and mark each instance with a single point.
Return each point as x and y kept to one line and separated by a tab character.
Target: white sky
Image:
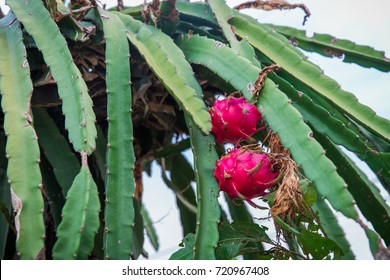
364	22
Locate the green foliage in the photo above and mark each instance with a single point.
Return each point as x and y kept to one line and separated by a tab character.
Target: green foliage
236	239
187	252
22	148
80	219
208	213
119	215
71	96
327	45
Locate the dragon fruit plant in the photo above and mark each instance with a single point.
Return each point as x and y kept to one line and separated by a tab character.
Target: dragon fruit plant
92	97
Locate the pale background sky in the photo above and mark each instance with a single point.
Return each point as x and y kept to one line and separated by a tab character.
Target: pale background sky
361	21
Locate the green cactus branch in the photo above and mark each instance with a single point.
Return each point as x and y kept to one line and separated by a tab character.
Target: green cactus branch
209	213
80	219
328	45
119	210
22	148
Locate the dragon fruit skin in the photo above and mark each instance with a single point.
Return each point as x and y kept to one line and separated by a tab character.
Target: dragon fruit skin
233	119
244	174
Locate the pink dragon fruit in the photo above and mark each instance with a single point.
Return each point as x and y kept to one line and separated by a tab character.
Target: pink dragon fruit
245	174
233	119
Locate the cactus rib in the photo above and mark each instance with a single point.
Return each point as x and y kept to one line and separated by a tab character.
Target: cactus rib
119	211
80	219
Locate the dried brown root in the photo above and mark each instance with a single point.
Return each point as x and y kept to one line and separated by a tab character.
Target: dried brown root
288	199
274	5
259	84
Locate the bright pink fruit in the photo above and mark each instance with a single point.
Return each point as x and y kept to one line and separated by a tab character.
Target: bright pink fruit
245	174
233	119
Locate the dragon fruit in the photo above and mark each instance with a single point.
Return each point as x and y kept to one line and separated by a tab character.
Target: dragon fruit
234	119
245	174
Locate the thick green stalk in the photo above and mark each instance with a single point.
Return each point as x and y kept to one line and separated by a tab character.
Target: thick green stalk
80	219
207	187
76	103
119	211
22	148
169	63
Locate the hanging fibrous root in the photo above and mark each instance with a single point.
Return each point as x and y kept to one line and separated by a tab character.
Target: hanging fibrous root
259	83
273	5
288	200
